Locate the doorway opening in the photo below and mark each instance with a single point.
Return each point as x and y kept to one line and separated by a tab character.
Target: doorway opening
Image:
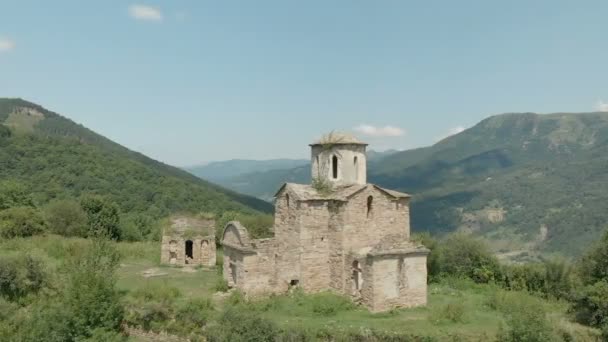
189	254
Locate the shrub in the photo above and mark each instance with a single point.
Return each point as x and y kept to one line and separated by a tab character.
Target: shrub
152	306
65	217
525	317
21	275
192	316
238	324
85	307
103	216
21	222
103	335
461	255
590	305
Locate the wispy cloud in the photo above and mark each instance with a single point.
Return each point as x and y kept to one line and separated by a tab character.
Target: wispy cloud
451	131
601	106
144	12
6	45
373	131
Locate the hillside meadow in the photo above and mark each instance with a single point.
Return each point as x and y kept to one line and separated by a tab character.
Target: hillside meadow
185	302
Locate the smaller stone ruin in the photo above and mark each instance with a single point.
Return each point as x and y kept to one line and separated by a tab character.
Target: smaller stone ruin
188	240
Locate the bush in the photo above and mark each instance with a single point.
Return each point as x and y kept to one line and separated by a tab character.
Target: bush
21	275
461	255
21	222
65	217
103	216
238	324
88	306
525	317
152	307
192	316
551	278
590	305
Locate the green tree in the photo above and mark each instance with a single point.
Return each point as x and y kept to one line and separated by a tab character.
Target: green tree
21	222
103	216
66	217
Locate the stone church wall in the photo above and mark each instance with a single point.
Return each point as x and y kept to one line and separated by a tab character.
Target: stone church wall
398	281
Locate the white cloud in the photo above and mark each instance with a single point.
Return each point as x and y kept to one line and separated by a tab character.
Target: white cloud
452	131
6	45
373	131
143	12
601	106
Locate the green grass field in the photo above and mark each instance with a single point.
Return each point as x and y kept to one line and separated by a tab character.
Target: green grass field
457	308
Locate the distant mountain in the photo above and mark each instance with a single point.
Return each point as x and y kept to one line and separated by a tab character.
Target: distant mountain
528	182
57	158
222	170
263	178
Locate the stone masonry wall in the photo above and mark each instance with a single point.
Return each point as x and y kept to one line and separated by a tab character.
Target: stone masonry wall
388	216
314	245
259	269
398	281
288	212
173	251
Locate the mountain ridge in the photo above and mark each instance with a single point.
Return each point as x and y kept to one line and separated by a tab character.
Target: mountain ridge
31	121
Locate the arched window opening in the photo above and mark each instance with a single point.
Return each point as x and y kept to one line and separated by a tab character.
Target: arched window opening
287	200
334	164
189	254
370	205
356	165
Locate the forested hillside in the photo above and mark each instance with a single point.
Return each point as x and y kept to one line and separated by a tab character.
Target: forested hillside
53	158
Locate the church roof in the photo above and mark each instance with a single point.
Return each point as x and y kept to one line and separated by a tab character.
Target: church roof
306	192
338	138
397	244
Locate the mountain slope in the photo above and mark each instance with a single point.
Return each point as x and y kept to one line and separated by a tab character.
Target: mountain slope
529	182
538	180
57	158
270	175
223	170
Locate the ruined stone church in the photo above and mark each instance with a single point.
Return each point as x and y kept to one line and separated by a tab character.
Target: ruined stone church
338	233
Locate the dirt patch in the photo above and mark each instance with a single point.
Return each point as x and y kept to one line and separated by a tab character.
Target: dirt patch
153	272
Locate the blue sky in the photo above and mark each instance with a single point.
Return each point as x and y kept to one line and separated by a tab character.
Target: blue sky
191	81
